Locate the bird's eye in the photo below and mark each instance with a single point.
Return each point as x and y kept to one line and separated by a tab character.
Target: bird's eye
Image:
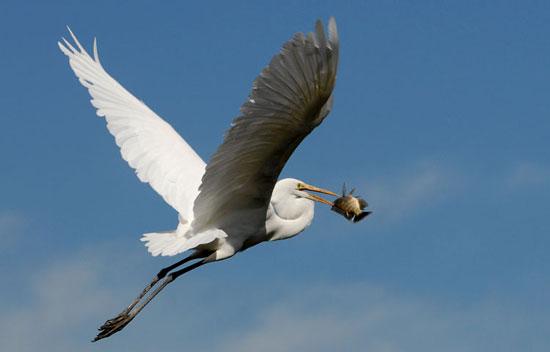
299	186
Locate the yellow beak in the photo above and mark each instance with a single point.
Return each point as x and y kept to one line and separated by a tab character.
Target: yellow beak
306	187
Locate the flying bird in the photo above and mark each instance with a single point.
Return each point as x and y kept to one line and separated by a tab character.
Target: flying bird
235	201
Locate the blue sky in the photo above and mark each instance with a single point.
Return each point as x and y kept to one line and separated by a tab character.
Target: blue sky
441	121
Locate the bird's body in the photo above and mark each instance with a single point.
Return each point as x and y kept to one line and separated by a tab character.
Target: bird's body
286	215
234	201
285	218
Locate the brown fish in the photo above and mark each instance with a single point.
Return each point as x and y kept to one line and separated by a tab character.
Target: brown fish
351	207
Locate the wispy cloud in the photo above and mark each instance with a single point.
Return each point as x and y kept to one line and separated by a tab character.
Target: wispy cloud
69	298
414	187
358	317
61	298
11	228
528	174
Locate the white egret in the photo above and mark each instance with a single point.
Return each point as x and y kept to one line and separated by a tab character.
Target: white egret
233	202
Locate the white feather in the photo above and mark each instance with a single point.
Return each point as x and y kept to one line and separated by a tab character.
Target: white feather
289	99
149	144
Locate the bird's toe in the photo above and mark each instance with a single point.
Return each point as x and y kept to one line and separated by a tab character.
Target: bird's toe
113	325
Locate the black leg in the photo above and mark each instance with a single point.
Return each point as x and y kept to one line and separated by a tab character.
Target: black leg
160	275
117	323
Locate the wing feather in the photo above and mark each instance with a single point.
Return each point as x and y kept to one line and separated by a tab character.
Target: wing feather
289	98
149	144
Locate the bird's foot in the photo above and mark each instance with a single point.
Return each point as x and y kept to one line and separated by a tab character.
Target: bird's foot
114	325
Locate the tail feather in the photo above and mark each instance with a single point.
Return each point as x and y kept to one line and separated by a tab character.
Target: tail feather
170	243
160	243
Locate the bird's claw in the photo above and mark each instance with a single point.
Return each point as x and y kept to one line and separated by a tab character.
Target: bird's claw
109	323
114	325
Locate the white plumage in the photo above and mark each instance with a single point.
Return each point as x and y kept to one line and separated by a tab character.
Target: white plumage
151	147
233	202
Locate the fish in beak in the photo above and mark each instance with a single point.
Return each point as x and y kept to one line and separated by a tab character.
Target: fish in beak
351	207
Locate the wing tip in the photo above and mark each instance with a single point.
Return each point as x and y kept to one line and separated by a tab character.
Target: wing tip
95	51
63	48
332	31
80	47
321	41
69	50
66	47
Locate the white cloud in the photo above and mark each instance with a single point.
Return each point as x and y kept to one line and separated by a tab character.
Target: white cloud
358	317
416	187
68	299
11	227
61	299
528	174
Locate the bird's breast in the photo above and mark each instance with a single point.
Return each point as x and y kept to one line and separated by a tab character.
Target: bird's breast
282	226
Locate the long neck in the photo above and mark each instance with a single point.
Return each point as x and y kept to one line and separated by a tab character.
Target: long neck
287	218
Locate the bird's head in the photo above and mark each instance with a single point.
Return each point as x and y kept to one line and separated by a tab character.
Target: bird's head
300	189
293	207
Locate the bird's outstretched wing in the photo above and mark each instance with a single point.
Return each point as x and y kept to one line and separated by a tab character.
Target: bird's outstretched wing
148	143
290	97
